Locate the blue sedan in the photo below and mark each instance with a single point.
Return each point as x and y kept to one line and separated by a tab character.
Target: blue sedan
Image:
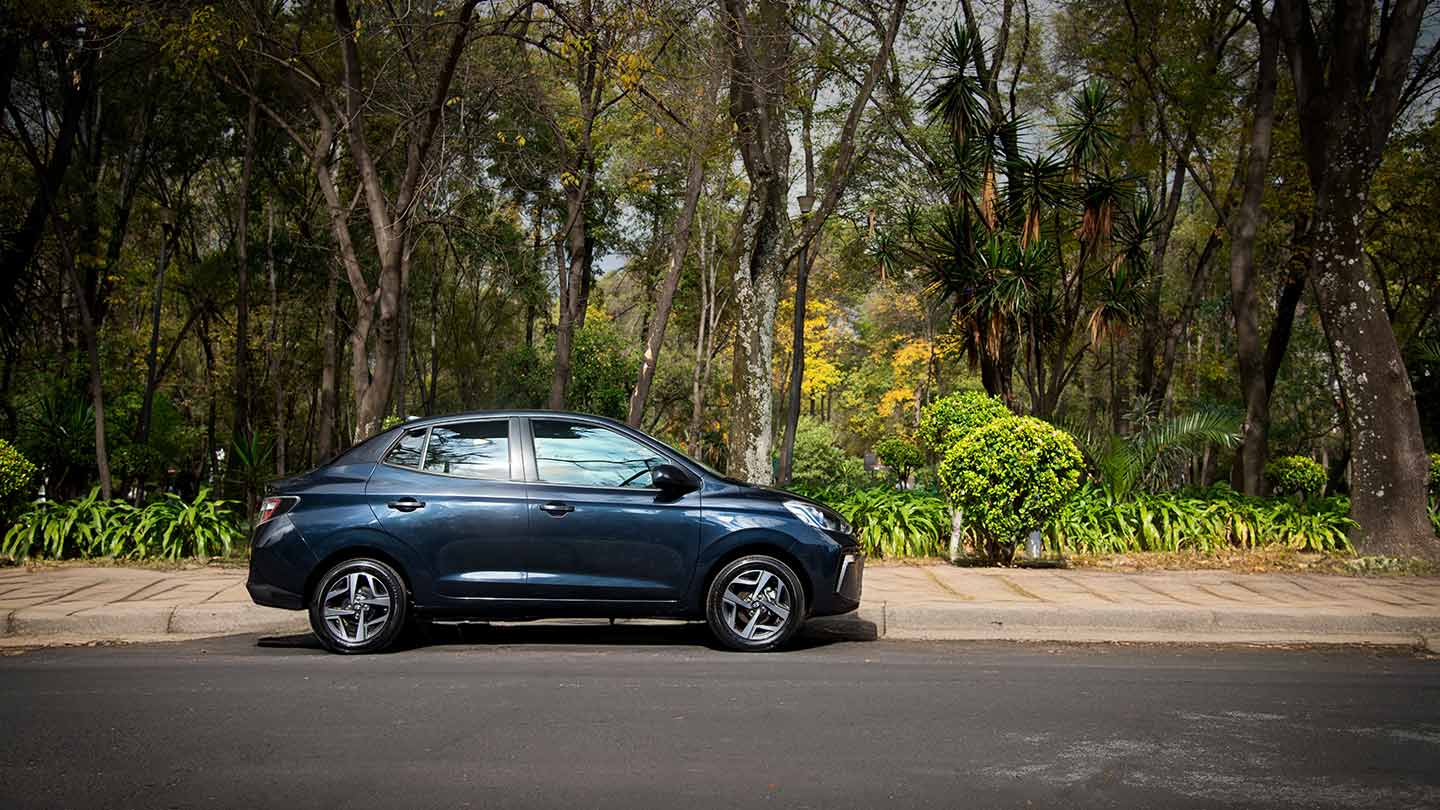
542	514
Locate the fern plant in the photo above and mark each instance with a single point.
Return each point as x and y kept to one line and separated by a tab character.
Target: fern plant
1207	522
170	527
893	523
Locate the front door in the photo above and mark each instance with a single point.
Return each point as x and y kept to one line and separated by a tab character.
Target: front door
598	529
454	494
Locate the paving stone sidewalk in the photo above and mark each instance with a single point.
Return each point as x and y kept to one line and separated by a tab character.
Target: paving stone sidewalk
946	602
78	604
72	604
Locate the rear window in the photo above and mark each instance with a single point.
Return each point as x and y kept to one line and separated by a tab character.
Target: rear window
406	453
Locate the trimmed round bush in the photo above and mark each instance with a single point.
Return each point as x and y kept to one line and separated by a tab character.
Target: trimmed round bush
947	421
1011	477
1296	475
16	476
900	454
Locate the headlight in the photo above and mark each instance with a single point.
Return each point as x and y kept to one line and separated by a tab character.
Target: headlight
819	518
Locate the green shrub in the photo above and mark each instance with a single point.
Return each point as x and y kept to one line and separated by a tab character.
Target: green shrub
1296	475
1011	476
1435	474
947	421
169	527
1208	521
17	476
895	523
819	462
900	454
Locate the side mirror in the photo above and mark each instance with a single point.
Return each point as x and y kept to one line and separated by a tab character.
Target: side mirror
672	479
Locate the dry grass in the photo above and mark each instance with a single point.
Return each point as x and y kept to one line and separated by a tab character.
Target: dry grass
1258	561
185	564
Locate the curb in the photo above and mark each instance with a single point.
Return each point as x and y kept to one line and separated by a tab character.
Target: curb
876	620
1149	624
118	621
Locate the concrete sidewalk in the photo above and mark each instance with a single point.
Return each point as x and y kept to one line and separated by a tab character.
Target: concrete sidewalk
86	604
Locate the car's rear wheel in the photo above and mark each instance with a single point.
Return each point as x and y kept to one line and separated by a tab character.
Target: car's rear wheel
359	607
755	604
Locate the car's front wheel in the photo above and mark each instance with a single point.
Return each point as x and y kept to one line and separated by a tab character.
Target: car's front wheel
755	604
358	607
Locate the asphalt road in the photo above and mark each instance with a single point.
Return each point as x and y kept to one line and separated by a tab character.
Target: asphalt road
648	717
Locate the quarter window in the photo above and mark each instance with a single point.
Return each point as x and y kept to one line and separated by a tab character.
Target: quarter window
406	453
470	449
575	453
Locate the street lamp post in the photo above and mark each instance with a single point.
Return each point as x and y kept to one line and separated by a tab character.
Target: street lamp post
797	352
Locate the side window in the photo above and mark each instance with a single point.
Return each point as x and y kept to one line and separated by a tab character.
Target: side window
574	453
470	449
407	452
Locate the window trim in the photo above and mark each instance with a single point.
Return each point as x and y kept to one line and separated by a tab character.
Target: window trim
514	437
532	467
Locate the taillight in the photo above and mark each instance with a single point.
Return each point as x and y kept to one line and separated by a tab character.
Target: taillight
274	507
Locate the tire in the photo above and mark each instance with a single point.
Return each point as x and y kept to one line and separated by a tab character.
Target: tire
349	602
745	602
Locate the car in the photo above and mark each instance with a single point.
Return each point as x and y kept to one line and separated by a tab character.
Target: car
523	515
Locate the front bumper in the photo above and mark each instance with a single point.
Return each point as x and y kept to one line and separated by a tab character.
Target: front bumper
843	587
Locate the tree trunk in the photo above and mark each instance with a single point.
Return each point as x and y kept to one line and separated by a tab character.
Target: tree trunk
88	330
759	74
18	247
1244	301
1389	468
679	248
705	338
242	296
434	343
152	355
325	440
571	293
802	280
276	344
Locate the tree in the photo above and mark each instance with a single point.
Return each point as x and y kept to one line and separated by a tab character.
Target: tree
339	102
1244	223
1352	75
760	65
699	128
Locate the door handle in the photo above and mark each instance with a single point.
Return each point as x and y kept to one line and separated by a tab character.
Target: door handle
556	508
406	505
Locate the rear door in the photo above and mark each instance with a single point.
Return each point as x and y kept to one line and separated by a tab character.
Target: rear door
598	529
455	493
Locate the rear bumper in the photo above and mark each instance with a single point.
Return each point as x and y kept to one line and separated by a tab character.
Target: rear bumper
271	596
280	565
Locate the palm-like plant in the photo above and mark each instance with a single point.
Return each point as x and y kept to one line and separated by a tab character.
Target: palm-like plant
1102	197
1037	183
1151	456
1086	136
958	98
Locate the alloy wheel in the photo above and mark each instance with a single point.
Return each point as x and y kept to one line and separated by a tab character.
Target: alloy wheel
756	604
357	606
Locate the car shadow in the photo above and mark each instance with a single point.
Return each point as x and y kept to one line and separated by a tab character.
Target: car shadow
816	633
